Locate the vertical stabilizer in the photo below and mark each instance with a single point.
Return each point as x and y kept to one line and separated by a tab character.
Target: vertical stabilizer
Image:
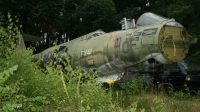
20	43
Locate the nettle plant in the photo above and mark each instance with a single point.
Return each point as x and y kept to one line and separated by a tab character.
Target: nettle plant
135	86
8	65
8	37
82	92
25	86
12	66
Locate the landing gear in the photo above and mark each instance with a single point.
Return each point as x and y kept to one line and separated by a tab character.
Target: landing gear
166	88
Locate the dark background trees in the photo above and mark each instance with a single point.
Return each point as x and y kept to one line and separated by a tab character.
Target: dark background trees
60	20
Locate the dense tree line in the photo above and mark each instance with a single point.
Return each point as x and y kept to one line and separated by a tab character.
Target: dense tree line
73	18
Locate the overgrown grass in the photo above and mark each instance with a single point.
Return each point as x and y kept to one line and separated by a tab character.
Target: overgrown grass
178	101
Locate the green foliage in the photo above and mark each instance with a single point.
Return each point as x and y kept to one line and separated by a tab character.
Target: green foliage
182	94
95	15
83	92
135	86
8	38
1	19
144	103
194	49
25	86
6	73
158	105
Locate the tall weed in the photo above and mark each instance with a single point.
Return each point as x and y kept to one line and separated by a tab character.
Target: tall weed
25	86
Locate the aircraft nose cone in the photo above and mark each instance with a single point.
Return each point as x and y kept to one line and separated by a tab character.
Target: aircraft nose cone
174	43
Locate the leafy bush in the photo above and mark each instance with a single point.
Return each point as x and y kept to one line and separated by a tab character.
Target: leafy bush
25	86
182	94
135	86
158	105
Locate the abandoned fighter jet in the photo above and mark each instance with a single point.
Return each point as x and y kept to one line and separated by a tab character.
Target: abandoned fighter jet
151	40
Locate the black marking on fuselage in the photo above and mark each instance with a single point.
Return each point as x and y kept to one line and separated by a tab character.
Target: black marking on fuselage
135	39
134	44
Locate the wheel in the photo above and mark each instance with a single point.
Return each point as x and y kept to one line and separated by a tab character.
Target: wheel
166	88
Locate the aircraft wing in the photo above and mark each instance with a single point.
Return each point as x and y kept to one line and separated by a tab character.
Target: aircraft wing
28	37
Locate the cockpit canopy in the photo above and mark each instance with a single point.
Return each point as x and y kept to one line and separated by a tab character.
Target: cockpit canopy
150	18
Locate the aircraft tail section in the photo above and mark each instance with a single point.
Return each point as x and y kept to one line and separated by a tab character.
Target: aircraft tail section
21	44
26	37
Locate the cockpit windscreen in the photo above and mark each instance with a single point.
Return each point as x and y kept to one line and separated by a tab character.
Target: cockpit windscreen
149	18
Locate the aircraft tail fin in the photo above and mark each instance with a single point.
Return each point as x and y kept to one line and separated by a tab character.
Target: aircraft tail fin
21	44
26	37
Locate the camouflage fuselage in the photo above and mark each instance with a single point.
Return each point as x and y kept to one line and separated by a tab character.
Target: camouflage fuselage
110	53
